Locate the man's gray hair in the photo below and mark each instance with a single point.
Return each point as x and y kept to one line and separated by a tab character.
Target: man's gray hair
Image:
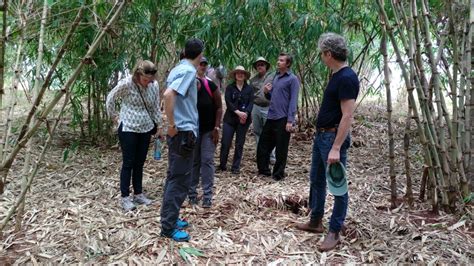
334	43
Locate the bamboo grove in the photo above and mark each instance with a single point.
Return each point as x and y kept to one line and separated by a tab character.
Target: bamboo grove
77	51
434	55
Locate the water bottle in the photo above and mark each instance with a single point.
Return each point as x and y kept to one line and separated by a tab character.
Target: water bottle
157	153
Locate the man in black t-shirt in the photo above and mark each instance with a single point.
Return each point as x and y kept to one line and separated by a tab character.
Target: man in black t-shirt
332	138
209	105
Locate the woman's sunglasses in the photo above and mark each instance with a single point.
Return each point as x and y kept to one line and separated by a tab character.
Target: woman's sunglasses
150	72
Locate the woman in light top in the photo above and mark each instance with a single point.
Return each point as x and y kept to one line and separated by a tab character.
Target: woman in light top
138	120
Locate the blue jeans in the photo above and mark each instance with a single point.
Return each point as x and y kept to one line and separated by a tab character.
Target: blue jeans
203	166
323	142
177	184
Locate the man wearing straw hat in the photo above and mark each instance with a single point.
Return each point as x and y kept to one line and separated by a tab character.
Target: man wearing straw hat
180	100
332	141
260	102
283	92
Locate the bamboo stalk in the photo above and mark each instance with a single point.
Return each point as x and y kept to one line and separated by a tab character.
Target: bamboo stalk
29	179
412	103
47	80
2	66
470	101
4	145
391	153
36	87
4	168
406	150
439	135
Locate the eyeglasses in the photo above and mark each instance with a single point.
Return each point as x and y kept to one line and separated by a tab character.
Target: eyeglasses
261	64
150	72
203	64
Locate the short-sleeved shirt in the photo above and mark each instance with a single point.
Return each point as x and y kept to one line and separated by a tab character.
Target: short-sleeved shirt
284	97
134	116
343	85
182	79
206	106
257	84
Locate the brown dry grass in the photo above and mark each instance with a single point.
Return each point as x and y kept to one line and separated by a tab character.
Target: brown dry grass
73	213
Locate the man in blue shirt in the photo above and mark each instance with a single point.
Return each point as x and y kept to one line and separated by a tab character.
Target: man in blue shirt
283	95
180	100
332	138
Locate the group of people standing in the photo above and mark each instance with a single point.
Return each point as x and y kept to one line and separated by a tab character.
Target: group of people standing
194	110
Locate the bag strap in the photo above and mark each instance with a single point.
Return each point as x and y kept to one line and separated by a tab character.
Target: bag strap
206	85
144	103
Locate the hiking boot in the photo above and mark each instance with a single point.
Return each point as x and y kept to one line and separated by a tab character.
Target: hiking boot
142	199
235	171
127	203
177	235
181	224
206	203
265	172
311	226
193	201
330	242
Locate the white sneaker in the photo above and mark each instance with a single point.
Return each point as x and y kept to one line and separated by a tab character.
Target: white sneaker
127	204
141	199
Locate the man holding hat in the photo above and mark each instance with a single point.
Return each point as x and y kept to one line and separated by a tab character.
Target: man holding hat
260	102
332	140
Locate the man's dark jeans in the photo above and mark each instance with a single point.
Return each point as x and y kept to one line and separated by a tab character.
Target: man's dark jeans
274	134
323	142
134	149
178	181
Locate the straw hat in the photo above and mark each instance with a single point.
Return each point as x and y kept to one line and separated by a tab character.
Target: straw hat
261	59
239	69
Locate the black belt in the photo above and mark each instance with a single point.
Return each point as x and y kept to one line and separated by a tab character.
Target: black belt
262	105
326	129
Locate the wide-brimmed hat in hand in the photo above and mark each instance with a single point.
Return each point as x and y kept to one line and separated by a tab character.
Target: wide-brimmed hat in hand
239	69
263	60
336	179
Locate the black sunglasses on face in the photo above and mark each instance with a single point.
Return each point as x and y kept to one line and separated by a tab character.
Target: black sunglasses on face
150	72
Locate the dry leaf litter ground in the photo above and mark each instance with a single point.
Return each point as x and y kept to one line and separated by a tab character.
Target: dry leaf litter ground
73	213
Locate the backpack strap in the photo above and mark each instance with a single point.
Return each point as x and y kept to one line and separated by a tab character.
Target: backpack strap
206	85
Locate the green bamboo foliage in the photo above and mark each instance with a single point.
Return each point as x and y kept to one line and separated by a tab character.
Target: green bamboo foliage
438	129
43	114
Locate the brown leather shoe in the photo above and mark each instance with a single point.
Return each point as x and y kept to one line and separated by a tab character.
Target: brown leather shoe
311	226
330	242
